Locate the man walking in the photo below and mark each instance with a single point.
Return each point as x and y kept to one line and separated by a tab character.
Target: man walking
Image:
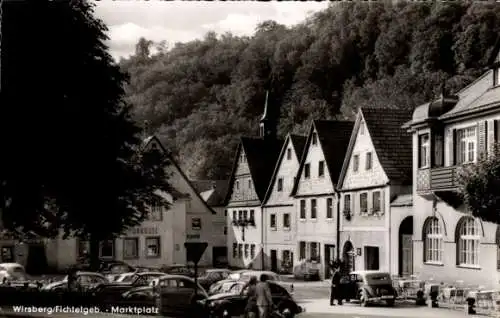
264	299
335	290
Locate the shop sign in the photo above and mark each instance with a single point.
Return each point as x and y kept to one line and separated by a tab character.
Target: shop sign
196	224
193	236
144	231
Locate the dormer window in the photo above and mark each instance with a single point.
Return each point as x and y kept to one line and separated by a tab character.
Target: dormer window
289	154
362	128
314	138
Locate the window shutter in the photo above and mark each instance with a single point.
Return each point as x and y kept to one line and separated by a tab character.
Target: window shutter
419	150
491	128
382	202
481	138
452	141
496	134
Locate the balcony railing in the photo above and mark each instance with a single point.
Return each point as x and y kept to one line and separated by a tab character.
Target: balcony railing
437	179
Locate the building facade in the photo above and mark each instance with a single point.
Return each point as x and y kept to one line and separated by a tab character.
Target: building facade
449	133
252	169
316	201
160	239
280	226
376	172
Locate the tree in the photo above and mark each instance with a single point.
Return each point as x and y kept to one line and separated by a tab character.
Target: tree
72	160
479	184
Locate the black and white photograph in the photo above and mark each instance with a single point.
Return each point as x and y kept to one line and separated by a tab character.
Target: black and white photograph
251	159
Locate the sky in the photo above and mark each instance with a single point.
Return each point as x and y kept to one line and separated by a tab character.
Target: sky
183	21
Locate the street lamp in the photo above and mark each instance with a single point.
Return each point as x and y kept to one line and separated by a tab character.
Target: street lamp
243	224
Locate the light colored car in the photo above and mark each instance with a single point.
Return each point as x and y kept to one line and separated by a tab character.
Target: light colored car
258	274
371	287
86	280
10	272
125	277
237	274
223	286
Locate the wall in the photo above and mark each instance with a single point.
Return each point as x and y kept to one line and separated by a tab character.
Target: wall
315	184
243	187
252	235
397	215
279	238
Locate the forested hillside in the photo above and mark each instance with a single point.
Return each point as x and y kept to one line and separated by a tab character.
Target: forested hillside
202	95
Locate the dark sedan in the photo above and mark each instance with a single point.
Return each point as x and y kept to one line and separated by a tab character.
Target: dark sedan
85	281
177	269
111	291
233	303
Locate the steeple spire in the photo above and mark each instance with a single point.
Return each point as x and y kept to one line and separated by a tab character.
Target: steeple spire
268	120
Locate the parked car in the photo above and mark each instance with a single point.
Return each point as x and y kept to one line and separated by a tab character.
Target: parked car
87	280
106	266
10	272
237	274
233	303
307	270
109	291
211	276
224	286
272	276
178	269
369	287
174	295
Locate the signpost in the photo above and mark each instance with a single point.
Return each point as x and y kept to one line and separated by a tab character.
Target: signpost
194	251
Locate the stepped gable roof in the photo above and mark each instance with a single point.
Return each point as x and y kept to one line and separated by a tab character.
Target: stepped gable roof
392	143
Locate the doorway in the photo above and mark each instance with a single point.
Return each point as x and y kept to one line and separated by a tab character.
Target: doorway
274	261
219	256
406	247
372	258
348	256
329	258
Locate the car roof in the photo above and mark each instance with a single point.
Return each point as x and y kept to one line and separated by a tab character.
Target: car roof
370	272
215	270
89	273
170	276
248	273
159	274
11	265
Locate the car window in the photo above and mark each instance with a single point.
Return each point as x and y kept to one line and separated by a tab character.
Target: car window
119	268
237	288
94	279
185	283
277	290
128	278
141	281
168	283
267	276
224	275
359	278
84	280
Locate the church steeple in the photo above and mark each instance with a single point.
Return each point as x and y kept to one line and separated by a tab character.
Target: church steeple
268	121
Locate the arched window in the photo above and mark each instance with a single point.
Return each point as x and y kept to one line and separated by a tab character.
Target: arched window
433	241
468	241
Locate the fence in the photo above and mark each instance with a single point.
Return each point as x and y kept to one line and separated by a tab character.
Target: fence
407	287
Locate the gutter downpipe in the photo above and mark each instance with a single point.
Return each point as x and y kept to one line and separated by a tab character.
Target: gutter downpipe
337	192
263	240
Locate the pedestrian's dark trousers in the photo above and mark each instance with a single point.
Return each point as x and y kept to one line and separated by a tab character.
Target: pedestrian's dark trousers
335	294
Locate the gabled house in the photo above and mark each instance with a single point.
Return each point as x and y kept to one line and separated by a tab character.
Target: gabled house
252	169
374	235
449	133
315	196
214	194
160	239
280	226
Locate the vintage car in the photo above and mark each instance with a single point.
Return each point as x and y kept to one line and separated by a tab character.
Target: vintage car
86	281
232	303
12	272
212	276
110	291
370	287
173	294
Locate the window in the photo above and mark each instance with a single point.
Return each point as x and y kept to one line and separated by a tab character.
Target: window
235	250
368	163
363	202
314	251
355	163
252	251
302	250
329	208
245	215
240	250
83	248
302	209
196	224
424	151
361	128
247	250
280	184
237	185
289	154
234	216
313	208
249	184
307	170
376	201
240	215
225	213
466	145
252	215
314	138
130	248
347	204
225	230
468	242
286	220
433	242
272	221
107	249
153	247
321	169
156	212
242	158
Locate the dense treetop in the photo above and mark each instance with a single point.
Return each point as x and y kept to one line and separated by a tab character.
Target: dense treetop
202	95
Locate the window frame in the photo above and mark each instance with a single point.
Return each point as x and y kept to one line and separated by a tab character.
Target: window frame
321	168
113	249
272	219
314	138
363	210
314	209
424	147
329	208
252	251
307	171
302	209
289	154
156	212
368	160
355	163
285	226
125	240
146	246
379	201
279	187
433	241
465	136
302	250
347	205
468	242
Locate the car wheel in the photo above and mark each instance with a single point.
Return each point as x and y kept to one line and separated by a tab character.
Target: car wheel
286	312
363	299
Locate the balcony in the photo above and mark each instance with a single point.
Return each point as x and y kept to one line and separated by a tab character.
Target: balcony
437	179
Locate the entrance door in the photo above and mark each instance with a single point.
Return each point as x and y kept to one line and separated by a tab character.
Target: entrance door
372	261
406	255
329	258
274	260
